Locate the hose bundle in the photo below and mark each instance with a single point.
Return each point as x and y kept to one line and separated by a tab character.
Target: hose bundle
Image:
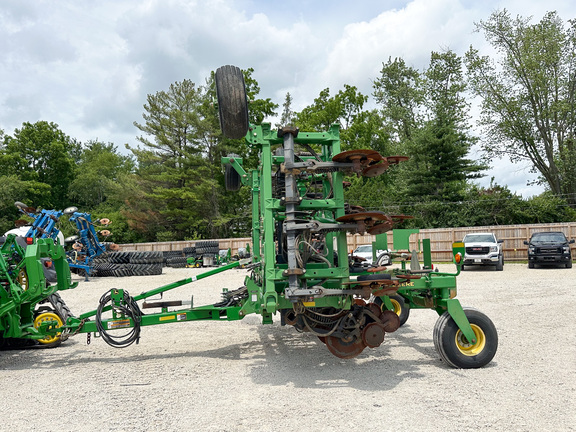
129	309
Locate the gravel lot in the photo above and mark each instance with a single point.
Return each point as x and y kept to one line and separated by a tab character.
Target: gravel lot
243	376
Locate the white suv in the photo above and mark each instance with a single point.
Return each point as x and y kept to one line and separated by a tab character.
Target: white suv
483	249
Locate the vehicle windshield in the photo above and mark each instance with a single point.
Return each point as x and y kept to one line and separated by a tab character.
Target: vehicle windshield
548	238
479	238
366	248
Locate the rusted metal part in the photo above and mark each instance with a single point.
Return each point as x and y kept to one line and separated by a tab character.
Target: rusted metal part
371	216
389	290
376	169
389	321
375	309
373	335
376	269
358	155
381	228
395	160
344	349
20	223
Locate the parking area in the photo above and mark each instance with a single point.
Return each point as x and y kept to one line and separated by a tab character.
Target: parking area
244	376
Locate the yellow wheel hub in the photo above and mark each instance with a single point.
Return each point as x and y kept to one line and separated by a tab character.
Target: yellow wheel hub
397	307
48	316
468	348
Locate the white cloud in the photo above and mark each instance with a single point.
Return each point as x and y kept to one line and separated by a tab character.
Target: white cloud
88	66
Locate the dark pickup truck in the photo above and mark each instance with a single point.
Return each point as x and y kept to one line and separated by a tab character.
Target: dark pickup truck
549	248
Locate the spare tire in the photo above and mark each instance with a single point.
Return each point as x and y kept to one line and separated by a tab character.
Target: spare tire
232	102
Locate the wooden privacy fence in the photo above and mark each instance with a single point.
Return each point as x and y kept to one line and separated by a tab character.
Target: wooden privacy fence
441	240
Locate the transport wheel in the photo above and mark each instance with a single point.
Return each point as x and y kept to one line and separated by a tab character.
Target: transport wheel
50	341
401	308
232	179
456	350
232	102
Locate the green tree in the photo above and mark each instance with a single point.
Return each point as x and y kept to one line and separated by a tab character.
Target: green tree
528	95
101	170
42	153
179	191
425	117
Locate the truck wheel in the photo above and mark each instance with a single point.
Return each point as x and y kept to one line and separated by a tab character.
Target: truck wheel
530	264
401	308
383	260
500	263
569	264
458	352
232	102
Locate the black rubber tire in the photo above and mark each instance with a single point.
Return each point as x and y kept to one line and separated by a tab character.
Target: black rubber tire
146	257
374	277
447	333
401	308
58	307
177	262
232	101
500	264
569	264
530	264
383	260
232	179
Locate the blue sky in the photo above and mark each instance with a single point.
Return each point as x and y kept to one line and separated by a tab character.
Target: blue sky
88	66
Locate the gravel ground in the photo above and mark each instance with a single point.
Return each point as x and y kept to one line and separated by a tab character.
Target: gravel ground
244	376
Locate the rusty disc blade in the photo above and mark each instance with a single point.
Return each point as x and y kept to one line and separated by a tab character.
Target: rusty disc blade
375	309
20	223
342	349
380	228
362	154
373	335
105	221
105	233
359	302
375	170
376	269
114	247
362	216
395	160
390	321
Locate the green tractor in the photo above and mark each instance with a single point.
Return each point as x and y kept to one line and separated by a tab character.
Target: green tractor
32	271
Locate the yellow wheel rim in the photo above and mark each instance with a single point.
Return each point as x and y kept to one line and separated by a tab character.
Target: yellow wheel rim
471	349
48	316
397	307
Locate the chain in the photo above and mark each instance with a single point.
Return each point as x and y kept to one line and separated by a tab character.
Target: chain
66	333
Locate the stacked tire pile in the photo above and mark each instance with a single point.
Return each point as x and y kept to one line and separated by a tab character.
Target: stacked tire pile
208	247
180	258
175	259
128	263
